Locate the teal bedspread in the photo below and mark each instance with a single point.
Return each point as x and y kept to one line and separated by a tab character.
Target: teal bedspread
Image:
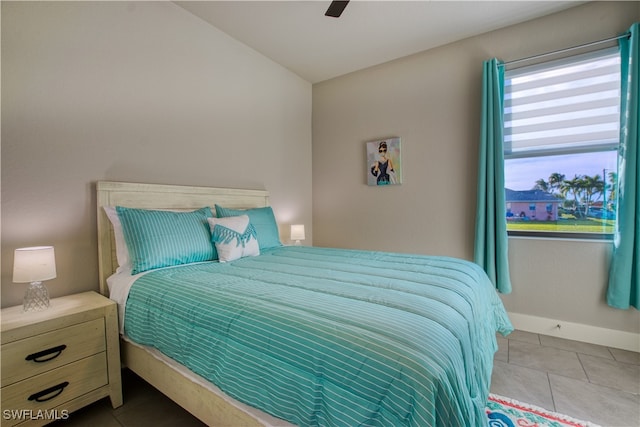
330	337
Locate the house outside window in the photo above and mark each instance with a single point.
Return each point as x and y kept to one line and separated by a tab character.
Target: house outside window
561	137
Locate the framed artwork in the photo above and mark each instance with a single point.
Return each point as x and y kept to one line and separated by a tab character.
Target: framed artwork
384	162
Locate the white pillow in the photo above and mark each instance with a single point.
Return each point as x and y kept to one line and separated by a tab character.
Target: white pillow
122	252
234	237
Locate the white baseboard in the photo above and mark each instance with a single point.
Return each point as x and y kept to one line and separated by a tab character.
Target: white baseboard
576	331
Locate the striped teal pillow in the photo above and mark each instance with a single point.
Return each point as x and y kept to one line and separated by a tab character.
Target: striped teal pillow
263	220
164	238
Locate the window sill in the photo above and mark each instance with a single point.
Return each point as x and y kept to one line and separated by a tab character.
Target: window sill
573	237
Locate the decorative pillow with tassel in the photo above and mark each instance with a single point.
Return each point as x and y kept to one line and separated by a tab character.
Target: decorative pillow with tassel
234	237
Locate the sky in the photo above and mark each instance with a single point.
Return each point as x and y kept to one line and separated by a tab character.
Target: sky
522	174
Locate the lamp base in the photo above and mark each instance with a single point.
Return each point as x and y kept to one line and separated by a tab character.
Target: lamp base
36	297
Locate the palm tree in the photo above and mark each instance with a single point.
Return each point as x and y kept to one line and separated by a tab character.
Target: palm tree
564	190
582	187
541	184
555	182
591	187
572	186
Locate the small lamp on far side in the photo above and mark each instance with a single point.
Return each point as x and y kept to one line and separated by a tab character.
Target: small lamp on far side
33	265
297	233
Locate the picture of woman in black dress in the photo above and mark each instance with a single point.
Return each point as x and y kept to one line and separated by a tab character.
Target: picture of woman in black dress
383	169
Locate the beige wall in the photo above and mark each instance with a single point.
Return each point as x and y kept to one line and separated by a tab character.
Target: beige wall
432	101
142	92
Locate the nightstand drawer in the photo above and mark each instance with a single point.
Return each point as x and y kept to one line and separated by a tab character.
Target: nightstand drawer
63	358
40	353
58	386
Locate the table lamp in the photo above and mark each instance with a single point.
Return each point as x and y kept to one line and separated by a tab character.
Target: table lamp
297	233
33	265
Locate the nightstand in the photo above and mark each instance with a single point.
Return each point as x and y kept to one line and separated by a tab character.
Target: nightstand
58	360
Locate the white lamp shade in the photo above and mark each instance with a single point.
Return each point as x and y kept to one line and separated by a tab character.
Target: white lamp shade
34	264
297	232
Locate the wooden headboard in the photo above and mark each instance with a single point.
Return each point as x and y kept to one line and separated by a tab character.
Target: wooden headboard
157	196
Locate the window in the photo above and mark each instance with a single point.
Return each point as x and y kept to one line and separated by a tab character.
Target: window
561	134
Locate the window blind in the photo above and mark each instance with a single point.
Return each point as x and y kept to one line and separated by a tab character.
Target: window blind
565	106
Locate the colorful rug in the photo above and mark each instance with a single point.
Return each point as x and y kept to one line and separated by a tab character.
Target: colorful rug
504	412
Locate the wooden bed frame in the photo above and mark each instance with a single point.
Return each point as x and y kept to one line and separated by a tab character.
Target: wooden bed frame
209	407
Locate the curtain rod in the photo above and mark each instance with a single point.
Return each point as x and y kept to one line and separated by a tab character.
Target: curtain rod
568	49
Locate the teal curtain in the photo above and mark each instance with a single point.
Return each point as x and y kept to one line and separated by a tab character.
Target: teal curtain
490	249
624	274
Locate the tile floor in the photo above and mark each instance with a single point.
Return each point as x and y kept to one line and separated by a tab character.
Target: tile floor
586	381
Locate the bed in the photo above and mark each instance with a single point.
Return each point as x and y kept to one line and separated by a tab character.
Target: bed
298	335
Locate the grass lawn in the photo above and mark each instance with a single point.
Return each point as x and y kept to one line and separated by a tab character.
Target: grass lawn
588	225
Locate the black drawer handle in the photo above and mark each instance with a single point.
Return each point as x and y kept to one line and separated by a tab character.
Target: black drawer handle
54	351
38	397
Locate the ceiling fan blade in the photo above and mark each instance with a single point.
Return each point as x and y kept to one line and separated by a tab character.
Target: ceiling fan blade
335	8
